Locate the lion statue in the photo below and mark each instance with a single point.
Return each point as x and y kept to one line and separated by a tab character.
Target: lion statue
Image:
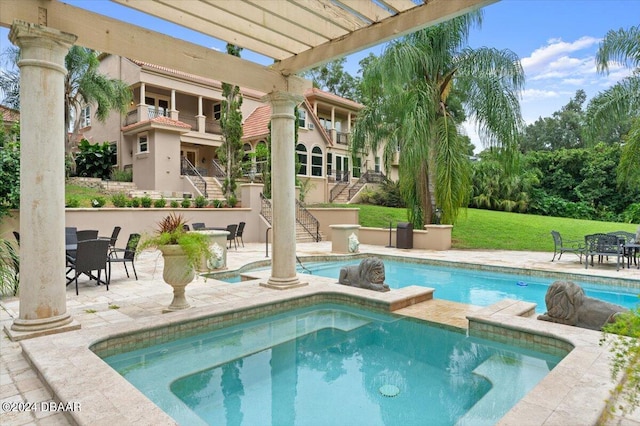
567	304
368	274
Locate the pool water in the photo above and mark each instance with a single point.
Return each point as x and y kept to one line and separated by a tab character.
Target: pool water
475	287
334	365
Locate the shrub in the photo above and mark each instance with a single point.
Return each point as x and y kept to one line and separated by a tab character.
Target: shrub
632	213
122	175
119	200
94	160
625	364
135	202
160	203
72	202
217	203
200	201
98	202
146	201
174	204
186	203
232	201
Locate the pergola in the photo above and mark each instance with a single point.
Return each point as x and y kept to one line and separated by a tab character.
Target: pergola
296	34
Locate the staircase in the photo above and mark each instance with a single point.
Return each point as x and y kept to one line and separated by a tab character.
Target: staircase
307	226
214	190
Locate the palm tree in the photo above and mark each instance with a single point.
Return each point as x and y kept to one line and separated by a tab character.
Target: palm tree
620	101
417	93
83	86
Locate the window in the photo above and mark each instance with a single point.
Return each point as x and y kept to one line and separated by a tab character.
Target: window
85	116
357	164
301	150
217	111
329	164
302	118
143	144
326	123
377	165
316	161
157	107
114	153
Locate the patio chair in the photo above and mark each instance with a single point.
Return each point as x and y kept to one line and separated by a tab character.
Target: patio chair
91	255
128	255
87	234
566	246
603	245
113	238
198	226
239	232
232	235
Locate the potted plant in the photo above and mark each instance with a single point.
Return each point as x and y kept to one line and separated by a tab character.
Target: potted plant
182	252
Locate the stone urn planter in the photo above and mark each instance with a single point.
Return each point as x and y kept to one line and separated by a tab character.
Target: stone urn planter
182	252
178	272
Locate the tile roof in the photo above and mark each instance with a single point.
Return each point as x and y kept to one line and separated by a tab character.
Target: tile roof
166	121
315	92
257	123
9	115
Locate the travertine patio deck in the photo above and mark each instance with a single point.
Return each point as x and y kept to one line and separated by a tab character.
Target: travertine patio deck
573	393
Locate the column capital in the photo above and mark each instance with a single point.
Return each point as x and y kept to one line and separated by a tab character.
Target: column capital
282	98
22	32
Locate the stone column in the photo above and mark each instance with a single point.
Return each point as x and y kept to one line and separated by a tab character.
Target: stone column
43	293
143	109
283	264
200	117
173	111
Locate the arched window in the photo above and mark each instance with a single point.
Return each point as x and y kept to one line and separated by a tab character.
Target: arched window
301	150
261	156
316	161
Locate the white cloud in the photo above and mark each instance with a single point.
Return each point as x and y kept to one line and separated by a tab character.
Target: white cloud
542	57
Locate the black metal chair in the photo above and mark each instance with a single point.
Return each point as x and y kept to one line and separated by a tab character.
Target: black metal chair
128	255
239	232
87	234
198	226
114	237
232	234
91	255
566	246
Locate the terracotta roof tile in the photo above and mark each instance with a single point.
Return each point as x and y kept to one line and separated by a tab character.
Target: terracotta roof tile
9	115
160	120
257	123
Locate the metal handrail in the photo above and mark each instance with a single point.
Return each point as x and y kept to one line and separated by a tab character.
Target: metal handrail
188	169
218	171
370	176
308	221
303	217
337	190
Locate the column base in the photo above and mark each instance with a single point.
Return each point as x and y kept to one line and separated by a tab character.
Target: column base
28	329
283	283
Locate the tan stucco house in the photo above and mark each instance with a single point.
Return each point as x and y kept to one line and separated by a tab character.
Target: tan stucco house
170	136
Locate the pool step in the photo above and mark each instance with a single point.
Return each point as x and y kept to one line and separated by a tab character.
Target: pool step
510	381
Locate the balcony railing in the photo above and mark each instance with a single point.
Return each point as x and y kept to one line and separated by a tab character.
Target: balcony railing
342	138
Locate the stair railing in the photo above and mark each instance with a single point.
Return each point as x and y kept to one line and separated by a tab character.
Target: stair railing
308	221
370	176
303	217
188	169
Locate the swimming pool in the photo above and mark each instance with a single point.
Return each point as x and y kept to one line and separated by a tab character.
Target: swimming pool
470	286
334	364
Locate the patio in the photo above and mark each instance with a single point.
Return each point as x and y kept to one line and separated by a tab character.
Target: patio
129	303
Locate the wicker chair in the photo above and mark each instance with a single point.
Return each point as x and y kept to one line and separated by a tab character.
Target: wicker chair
128	255
91	255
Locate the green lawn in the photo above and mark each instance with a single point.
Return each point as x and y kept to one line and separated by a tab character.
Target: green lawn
485	229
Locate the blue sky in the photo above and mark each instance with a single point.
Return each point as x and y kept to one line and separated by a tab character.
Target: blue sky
555	39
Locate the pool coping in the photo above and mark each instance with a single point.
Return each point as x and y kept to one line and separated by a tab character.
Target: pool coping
74	373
